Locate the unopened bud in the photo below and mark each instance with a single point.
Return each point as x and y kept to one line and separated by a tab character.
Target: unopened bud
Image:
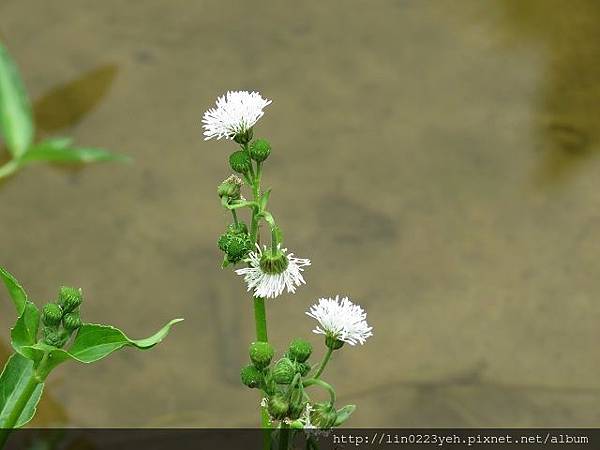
284	371
52	314
323	415
300	350
70	298
71	321
240	161
251	376
260	150
278	406
261	354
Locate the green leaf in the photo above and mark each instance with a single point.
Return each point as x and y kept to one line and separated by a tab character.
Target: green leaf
15	290
59	151
264	199
14	381
25	331
94	342
344	414
16	123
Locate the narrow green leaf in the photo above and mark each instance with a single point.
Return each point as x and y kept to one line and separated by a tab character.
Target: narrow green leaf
14	380
58	151
16	123
94	342
25	331
15	290
344	414
264	199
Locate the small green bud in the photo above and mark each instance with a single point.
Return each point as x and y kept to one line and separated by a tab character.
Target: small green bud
261	354
70	298
54	337
333	343
284	371
223	241
240	161
71	321
260	150
323	415
240	228
300	350
303	368
278	406
238	246
273	264
52	314
230	188
251	376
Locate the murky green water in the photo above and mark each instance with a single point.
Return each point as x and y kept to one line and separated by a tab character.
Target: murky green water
438	162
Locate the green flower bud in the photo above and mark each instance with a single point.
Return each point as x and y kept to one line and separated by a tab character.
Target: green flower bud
52	314
260	150
240	228
71	321
251	376
240	161
273	264
223	241
70	298
230	188
333	343
323	415
303	368
54	337
238	246
261	354
300	350
284	371
278	406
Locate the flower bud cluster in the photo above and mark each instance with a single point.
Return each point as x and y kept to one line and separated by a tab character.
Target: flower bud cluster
62	318
235	243
281	381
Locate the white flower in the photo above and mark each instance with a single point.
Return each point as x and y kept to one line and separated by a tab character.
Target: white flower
235	113
343	320
271	284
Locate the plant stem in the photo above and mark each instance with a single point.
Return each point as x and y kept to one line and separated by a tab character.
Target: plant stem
260	318
235	219
324	362
323	384
9	168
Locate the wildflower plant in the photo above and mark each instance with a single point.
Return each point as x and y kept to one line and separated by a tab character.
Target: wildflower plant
42	340
17	129
269	272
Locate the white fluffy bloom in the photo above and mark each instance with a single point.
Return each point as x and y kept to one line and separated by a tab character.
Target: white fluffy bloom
235	113
343	320
271	285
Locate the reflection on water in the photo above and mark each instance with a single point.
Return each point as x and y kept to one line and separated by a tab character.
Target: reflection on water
446	157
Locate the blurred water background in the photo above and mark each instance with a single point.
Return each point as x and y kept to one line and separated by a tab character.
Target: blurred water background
438	162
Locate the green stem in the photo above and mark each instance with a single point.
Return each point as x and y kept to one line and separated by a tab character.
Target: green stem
9	168
235	219
324	362
266	426
311	381
260	318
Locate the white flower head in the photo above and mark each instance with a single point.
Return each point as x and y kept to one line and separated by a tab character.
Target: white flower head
268	274
343	320
235	113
